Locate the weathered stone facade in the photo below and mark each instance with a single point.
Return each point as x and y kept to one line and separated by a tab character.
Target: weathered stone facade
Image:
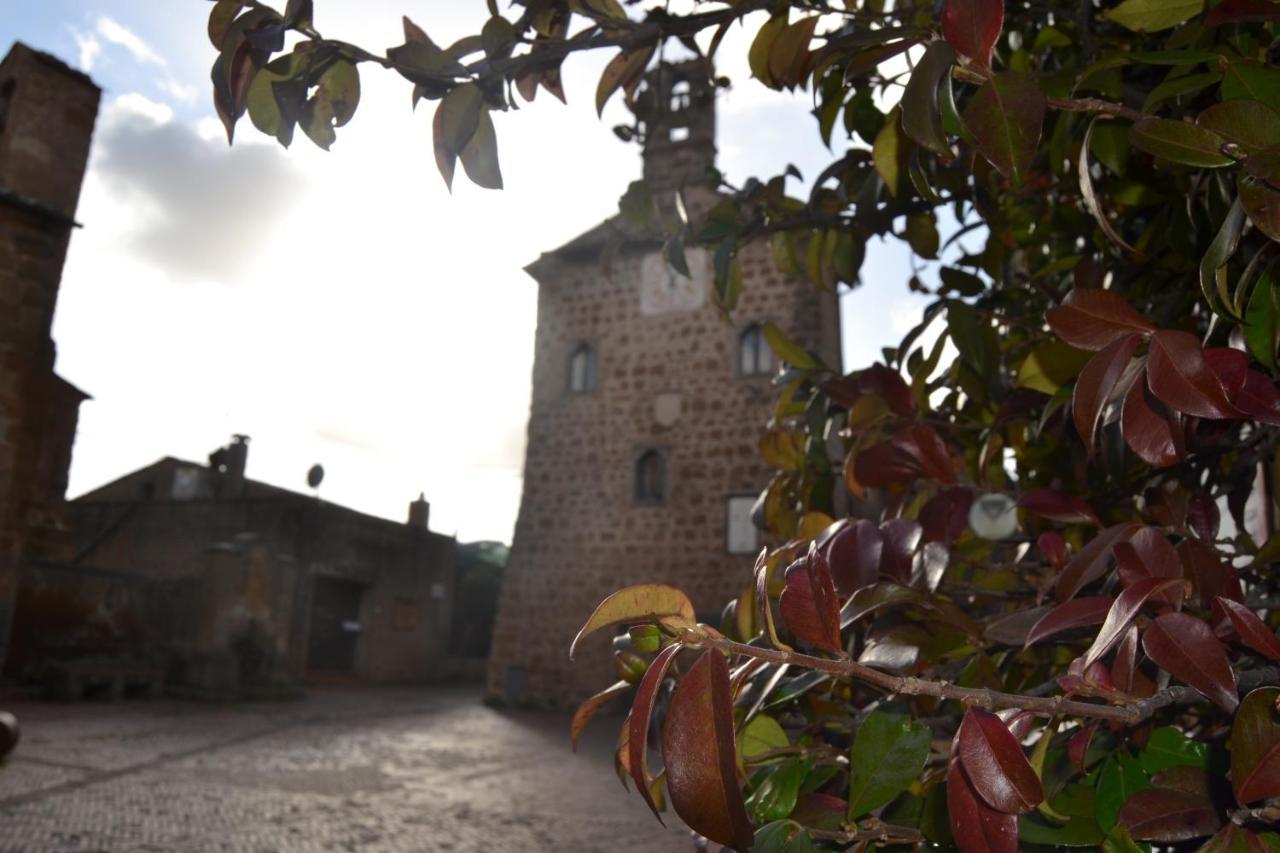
229	586
665	376
47	116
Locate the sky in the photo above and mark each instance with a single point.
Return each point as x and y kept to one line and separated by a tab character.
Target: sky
343	307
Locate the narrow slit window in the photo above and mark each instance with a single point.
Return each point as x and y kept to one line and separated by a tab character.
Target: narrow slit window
582	369
754	356
651	477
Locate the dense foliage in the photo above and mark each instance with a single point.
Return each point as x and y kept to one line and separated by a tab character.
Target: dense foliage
1050	619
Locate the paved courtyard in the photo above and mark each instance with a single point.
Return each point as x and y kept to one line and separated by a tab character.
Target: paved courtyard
345	769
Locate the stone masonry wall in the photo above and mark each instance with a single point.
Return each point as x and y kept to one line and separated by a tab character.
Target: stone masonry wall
580	534
47	115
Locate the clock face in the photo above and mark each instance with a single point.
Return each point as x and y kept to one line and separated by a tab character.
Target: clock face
663	290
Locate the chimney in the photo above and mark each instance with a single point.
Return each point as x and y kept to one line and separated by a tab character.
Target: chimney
419	512
228	466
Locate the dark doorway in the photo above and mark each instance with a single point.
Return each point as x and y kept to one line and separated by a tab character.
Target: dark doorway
335	625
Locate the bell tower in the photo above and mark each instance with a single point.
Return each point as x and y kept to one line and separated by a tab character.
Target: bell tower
677	113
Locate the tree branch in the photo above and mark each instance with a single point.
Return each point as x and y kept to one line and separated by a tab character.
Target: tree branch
1045	706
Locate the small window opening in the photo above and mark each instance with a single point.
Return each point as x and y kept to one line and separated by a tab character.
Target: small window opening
582	369
754	356
651	477
680	93
679	134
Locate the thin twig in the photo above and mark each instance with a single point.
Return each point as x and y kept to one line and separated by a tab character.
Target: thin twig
1044	706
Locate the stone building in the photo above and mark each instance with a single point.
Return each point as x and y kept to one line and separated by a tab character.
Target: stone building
226	586
647	409
47	116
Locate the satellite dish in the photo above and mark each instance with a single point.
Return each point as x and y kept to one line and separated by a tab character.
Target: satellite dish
315	476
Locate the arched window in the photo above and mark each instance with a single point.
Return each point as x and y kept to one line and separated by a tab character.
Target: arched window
754	356
582	369
651	477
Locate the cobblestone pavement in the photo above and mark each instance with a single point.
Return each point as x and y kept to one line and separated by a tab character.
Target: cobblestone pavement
345	769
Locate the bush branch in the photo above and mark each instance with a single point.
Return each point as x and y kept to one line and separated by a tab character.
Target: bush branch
994	699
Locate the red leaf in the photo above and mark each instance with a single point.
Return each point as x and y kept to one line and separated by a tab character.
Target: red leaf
1187	649
1091	563
1152	432
928	447
1203	516
1163	814
1090	319
946	515
809	605
901	538
972	28
1076	613
1059	506
882	381
1053	547
1255	747
853	556
996	765
1209	574
885	464
637	762
820	811
1259	398
1078	746
1123	611
1125	665
699	753
591	707
977	827
1179	377
1241	11
1252	630
1097	383
1230	366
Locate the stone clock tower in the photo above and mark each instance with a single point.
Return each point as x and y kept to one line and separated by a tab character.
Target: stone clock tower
648	406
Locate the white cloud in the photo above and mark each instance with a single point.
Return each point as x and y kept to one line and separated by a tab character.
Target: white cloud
118	34
89	48
183	92
136	104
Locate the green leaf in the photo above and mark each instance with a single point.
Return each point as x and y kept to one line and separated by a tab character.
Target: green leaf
889	751
1169	747
1119	780
1120	841
775	798
1179	142
456	121
787	350
1050	366
1245	79
1151	16
498	37
922	234
480	155
1079	831
1006	118
921	114
636	604
1176	87
1255	747
782	836
1262	320
888	152
761	735
1250	124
